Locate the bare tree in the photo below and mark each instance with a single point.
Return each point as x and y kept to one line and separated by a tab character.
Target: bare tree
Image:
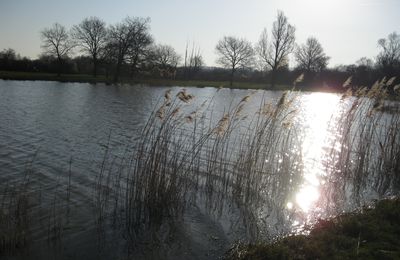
56	43
121	38
311	56
91	36
363	71
165	59
9	54
193	61
8	59
365	62
109	57
139	50
389	57
234	53
274	53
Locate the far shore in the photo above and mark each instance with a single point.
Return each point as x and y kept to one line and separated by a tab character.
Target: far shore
85	78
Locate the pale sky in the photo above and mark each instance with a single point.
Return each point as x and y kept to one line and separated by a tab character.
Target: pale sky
347	29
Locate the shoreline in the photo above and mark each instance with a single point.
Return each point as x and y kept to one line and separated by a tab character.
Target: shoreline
84	78
368	233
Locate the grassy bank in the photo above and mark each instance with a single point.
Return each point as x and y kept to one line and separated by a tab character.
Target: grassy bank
15	75
372	233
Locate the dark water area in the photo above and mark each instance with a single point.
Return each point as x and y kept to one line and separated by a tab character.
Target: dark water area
61	132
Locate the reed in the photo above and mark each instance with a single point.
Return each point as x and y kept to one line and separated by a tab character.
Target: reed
23	209
249	164
365	155
221	162
184	158
14	220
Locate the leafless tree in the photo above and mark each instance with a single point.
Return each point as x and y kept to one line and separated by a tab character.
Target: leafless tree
139	50
311	56
234	53
193	60
365	62
108	57
91	36
389	57
363	71
122	36
9	54
274	53
165	60
56	43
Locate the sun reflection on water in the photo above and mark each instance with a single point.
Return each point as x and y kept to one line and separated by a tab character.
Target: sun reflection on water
318	110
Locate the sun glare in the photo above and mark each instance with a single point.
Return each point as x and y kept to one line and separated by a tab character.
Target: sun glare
318	108
306	197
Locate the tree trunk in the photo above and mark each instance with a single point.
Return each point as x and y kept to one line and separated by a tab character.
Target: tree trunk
232	74
59	66
94	66
273	78
117	70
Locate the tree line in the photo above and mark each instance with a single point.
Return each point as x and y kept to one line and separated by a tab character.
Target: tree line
128	49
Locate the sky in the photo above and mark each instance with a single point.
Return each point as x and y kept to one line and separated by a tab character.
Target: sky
347	29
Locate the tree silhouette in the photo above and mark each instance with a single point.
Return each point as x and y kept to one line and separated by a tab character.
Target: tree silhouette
233	53
165	59
274	53
140	48
389	57
8	54
56	43
122	36
91	36
193	61
311	56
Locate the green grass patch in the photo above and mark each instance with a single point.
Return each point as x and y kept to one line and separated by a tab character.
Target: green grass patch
372	233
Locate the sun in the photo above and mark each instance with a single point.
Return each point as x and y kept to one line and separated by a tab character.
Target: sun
306	197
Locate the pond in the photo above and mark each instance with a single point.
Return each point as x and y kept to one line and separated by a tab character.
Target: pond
165	173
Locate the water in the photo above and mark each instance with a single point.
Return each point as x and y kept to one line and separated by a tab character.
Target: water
58	130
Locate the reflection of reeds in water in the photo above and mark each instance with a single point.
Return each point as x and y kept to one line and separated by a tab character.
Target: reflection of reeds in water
252	163
181	158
